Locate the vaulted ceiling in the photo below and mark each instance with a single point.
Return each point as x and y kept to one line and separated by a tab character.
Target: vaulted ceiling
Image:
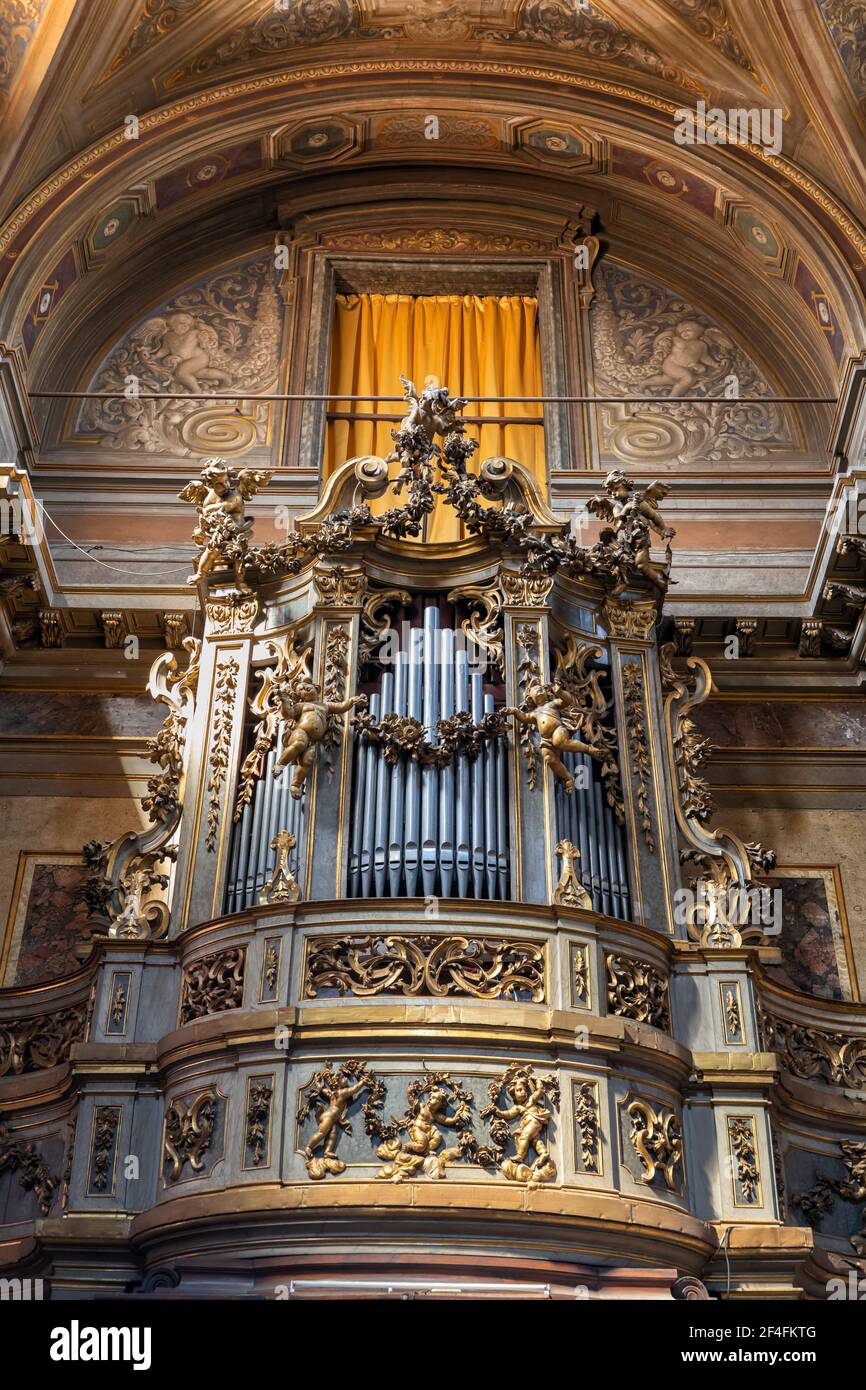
146	144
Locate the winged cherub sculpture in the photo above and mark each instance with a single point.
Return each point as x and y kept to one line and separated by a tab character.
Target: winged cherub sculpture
544	708
223	528
635	516
432	412
306	718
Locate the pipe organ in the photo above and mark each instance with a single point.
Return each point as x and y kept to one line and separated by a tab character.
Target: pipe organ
427	897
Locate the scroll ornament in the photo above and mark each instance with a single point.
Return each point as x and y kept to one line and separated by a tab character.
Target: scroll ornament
657	1140
188	1134
728	868
524	1123
126	871
328	1095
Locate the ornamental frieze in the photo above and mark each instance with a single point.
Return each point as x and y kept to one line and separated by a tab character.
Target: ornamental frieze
474	967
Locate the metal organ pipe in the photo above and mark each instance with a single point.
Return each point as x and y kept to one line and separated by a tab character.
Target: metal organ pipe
440	831
588	822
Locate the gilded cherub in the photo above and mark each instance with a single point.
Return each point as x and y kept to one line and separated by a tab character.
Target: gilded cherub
428	1099
334	1089
306	717
635	516
223	527
529	1095
544	708
688	358
433	412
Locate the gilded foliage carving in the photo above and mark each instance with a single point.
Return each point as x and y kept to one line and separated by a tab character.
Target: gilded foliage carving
647	341
279	682
586	30
275	32
523	1124
258	1121
636	990
213	983
641	764
221	335
710	20
744	1148
814	1054
106	1121
569	891
225	689
328	1095
18	1156
33	1044
820	1200
478	967
587	1121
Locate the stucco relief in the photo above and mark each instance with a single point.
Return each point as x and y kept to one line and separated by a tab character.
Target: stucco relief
846	20
647	341
220	335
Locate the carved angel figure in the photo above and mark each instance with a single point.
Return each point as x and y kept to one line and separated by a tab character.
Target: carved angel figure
428	1101
529	1108
432	412
544	708
635	516
305	722
334	1089
223	528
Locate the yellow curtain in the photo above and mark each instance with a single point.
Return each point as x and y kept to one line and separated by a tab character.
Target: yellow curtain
477	345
